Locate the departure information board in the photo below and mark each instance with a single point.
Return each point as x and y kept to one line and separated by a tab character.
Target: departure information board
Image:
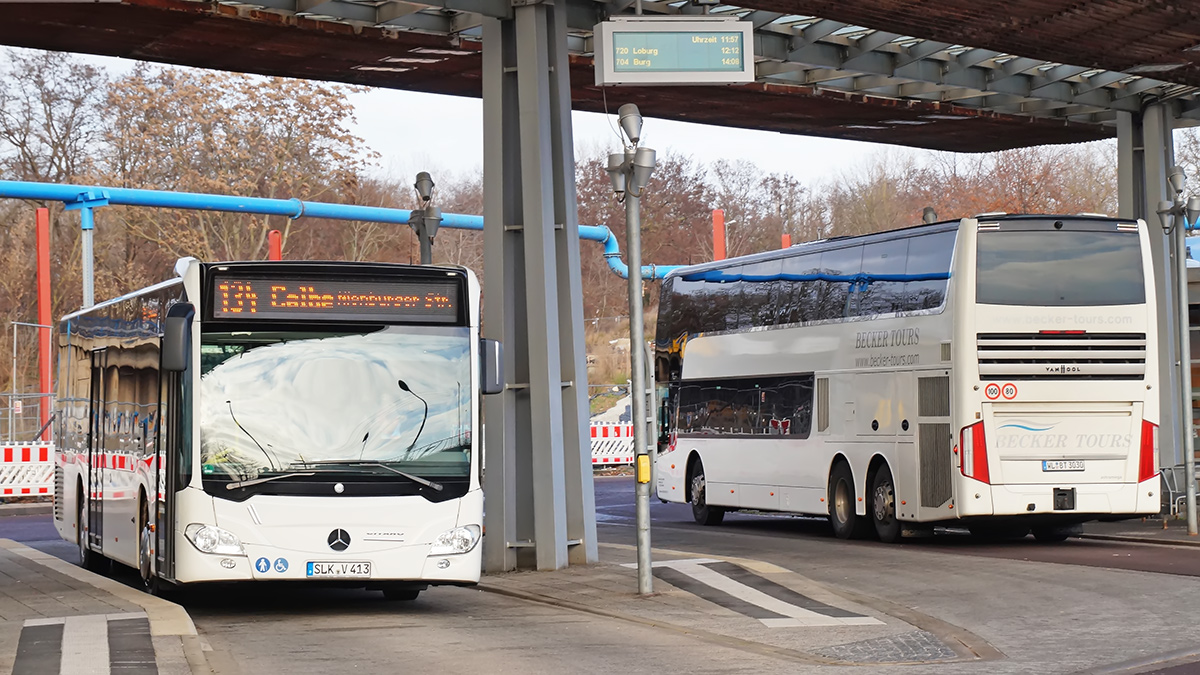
675	52
647	50
294	298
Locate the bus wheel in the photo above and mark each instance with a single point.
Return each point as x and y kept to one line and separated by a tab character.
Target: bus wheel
401	594
88	559
701	511
883	506
846	523
145	548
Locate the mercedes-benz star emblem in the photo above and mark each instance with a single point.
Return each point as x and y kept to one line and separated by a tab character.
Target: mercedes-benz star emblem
339	540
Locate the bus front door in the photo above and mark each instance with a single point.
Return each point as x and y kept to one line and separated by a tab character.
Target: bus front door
171	469
97	428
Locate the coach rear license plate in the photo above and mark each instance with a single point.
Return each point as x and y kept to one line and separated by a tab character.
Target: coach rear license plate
340	570
1063	465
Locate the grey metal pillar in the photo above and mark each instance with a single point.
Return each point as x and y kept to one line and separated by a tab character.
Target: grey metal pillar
1145	154
540	503
88	230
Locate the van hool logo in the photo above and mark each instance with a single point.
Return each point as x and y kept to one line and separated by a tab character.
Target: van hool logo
1064	369
874	339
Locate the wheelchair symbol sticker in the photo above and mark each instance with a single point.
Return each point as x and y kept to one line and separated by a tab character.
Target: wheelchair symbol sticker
280	565
262	565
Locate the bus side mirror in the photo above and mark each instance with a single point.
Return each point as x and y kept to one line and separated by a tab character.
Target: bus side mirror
491	364
177	338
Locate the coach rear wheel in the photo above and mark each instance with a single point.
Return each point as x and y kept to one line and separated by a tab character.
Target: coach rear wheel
701	511
883	506
846	523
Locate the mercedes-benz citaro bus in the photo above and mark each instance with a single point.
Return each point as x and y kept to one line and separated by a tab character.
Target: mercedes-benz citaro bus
998	373
303	421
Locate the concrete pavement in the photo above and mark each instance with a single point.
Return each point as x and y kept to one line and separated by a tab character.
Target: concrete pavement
56	617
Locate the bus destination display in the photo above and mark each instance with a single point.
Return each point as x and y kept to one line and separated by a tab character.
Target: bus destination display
417	301
675	52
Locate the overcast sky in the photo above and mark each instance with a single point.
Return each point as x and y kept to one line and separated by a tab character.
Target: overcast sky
444	134
414	132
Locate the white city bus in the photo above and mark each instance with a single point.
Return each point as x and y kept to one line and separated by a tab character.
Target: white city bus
271	421
998	373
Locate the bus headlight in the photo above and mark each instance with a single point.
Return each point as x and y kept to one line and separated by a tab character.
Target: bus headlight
458	540
212	539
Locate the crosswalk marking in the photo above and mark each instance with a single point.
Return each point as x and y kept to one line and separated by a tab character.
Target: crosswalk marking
773	612
97	644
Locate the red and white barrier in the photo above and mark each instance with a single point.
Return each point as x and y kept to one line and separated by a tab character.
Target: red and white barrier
26	469
612	443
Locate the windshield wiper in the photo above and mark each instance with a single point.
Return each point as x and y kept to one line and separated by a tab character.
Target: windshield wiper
268	479
358	462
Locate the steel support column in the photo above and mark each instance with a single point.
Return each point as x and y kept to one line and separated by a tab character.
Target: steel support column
540	503
1145	154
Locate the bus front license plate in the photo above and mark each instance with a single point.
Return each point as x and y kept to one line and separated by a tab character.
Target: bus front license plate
340	570
1063	465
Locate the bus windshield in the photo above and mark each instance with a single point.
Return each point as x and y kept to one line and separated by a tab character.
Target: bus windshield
1060	268
344	404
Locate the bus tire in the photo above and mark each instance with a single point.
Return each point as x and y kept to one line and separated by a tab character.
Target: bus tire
88	559
150	581
701	511
845	522
401	594
883	506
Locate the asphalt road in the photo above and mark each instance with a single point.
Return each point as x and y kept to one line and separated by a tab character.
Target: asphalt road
1049	607
673	527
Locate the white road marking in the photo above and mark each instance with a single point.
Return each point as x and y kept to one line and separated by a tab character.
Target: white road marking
798	616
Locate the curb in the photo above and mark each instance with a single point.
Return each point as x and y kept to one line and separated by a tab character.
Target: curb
166	618
26	509
1141	540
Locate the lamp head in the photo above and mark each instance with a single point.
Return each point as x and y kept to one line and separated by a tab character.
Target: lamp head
616	172
929	215
1177	178
1192	211
433	218
424	186
643	167
631	122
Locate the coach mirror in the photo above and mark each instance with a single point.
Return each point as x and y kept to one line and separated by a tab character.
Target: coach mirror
491	365
177	337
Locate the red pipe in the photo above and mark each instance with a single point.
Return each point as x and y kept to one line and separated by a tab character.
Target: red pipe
787	240
718	234
44	318
274	245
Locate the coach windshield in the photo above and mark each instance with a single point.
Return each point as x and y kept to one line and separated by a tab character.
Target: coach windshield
1059	264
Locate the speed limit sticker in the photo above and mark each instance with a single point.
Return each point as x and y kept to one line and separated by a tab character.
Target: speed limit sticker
1009	391
992	391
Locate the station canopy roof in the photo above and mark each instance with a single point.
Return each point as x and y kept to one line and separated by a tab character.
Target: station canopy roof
959	75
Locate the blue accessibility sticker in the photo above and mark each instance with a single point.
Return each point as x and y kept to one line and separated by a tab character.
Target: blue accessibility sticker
280	564
262	565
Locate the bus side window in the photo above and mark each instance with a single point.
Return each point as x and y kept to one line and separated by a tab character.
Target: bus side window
928	254
882	258
833	296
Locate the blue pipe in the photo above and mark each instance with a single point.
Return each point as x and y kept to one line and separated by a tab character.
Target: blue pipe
79	195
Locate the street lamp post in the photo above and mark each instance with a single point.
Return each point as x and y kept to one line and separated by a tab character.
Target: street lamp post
630	171
425	220
1189	212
